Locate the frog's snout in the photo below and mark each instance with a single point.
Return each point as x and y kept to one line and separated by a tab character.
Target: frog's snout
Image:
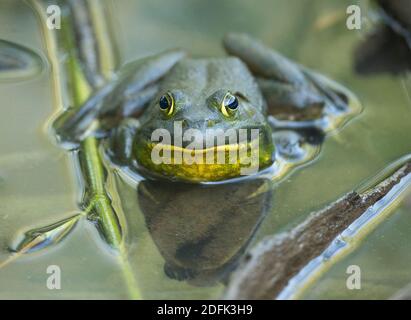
200	125
200	131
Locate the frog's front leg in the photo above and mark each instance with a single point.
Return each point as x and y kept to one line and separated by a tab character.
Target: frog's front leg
127	94
295	96
119	146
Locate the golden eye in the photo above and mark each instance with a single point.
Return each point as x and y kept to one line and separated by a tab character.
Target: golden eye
229	104
166	104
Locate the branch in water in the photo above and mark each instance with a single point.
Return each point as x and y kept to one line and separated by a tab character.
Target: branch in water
269	267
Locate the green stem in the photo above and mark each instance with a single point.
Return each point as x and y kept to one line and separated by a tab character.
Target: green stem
97	198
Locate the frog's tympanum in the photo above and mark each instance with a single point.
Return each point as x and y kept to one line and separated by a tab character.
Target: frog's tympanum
254	90
203	230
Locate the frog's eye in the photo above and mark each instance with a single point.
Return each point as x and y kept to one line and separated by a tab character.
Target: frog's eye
166	104
229	104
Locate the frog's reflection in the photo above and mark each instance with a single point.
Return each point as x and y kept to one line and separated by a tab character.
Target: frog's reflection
203	230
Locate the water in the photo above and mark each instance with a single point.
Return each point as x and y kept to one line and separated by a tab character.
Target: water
38	179
383	258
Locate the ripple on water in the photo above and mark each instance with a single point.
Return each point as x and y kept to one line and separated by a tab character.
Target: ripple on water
18	62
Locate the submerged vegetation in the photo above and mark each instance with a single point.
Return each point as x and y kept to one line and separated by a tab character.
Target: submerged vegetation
96	201
281	234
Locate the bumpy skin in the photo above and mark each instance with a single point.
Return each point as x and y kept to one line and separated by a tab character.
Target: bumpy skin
198	107
271	90
198	85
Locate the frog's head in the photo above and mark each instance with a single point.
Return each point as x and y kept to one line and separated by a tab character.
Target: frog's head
206	124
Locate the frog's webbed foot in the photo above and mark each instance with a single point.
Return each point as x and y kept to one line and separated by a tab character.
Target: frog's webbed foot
124	96
296	97
297	145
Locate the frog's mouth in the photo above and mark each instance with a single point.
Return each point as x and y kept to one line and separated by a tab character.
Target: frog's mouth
214	163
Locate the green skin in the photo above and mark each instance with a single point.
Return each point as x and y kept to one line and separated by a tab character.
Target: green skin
198	87
273	93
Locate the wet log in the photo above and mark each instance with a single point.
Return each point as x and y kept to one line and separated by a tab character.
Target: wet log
268	268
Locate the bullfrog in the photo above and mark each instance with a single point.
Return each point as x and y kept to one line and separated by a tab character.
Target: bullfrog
252	93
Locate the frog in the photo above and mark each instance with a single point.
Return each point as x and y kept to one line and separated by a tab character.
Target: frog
253	89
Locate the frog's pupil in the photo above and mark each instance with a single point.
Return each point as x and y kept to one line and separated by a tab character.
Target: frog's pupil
164	103
232	102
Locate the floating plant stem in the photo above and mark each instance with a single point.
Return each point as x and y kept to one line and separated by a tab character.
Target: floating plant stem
41	238
80	85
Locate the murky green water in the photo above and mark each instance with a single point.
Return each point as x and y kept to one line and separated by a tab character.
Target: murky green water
38	179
